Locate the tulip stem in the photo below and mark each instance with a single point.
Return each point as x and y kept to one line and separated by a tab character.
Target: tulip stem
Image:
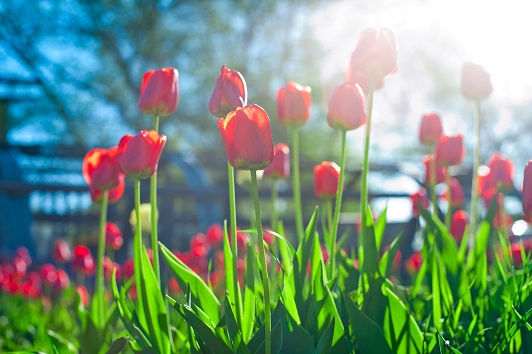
296	184
336	218
137	238
449	204
432	183
364	186
100	286
264	268
474	182
153	215
275	194
234	248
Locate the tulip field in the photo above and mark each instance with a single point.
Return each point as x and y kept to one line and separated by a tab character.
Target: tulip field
265	288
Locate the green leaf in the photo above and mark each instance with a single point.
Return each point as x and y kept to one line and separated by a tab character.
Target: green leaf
118	345
388	258
60	344
368	335
286	250
201	293
325	342
249	296
368	254
234	332
277	340
380	225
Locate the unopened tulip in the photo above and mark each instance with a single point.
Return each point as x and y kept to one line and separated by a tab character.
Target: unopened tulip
100	168
61	252
413	263
430	129
280	166
293	104
82	260
230	92
457	193
458	225
476	83
374	58
138	156
501	174
247	138
450	150
83	295
440	171
114	194
108	267
159	92
215	235
326	176
113	236
346	107
419	199
526	192
62	281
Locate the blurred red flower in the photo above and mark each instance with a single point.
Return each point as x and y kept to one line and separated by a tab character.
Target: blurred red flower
326	176
113	236
61	252
430	129
280	166
346	107
450	150
293	104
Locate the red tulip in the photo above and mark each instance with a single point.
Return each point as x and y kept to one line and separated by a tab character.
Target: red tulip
62	281
114	194
61	252
450	150
128	268
113	236
138	156
414	262
440	171
517	250
199	245
526	190
247	137
501	174
108	267
419	199
280	166
293	104
374	58
100	168
326	177
82	260
347	107
230	92
48	274
159	92
430	129
23	253
476	83
458	225
215	235
83	295
457	193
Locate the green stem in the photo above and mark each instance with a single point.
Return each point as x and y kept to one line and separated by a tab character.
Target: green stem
264	269
474	183
432	183
275	194
138	235
100	286
449	204
153	215
336	218
234	248
365	169
296	183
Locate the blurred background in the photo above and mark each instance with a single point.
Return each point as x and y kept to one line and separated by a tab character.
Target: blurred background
70	73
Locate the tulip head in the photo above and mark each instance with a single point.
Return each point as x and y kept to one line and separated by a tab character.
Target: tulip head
247	138
430	129
450	150
326	176
82	260
457	193
138	156
526	190
420	199
476	83
114	194
501	174
458	225
100	168
113	236
346	107
230	92
374	58
159	92
293	104
61	252
440	171
280	166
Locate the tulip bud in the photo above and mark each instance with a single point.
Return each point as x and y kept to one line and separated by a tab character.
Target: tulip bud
374	58
215	235
457	193
347	107
440	171
476	83
458	225
430	129
100	168
138	156
114	194
280	166
113	236
293	104
413	264
247	138
82	260
159	94
419	199
526	190
326	177
230	92
145	217
450	150
83	295
61	252
501	173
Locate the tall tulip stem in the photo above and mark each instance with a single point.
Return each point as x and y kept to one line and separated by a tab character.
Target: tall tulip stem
100	286
296	183
264	268
449	201
275	194
137	238
234	248
336	218
474	182
153	214
365	168
432	183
